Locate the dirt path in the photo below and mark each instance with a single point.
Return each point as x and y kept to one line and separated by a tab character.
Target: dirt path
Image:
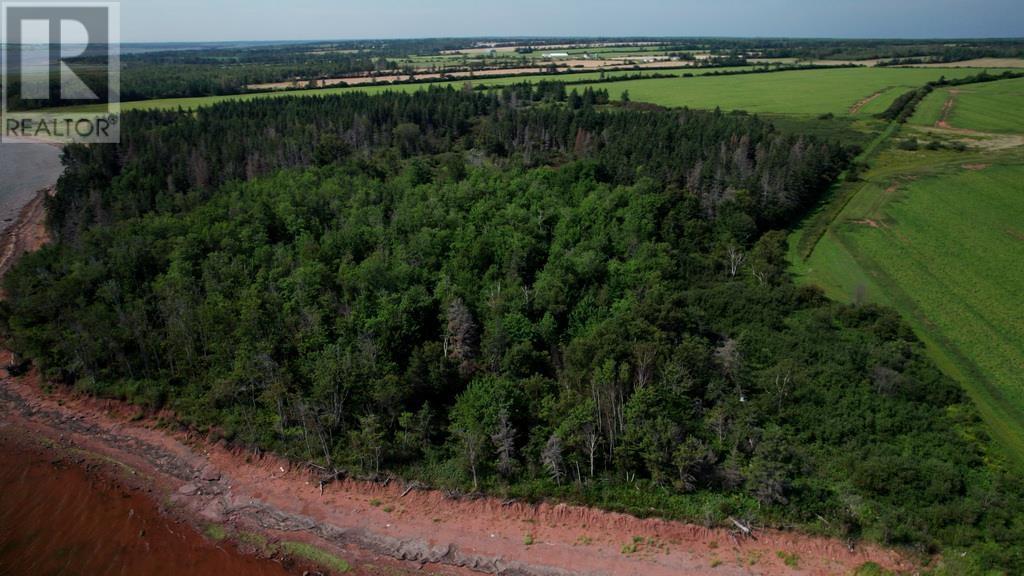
391	526
864	102
947	110
975	138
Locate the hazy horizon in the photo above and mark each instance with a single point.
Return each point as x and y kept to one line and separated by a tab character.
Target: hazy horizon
190	21
605	37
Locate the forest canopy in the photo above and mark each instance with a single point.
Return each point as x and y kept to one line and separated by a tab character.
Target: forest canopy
526	292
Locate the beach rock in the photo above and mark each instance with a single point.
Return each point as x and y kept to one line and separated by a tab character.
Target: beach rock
213	512
188	490
210	474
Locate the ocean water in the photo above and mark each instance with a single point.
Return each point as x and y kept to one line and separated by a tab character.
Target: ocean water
57	519
39	54
24	170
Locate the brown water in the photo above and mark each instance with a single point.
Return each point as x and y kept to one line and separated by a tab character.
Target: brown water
58	519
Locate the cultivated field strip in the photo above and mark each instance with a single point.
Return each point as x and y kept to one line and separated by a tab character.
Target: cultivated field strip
938	234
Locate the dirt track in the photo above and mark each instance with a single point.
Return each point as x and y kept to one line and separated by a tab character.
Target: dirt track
856	108
947	110
391	525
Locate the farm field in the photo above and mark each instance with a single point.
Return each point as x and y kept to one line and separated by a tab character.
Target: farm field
791	92
978	63
505	75
990	107
796	92
172	104
577	57
187	103
939	236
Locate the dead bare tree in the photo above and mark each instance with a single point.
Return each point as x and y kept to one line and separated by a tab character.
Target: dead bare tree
311	419
782	387
551	458
645	355
591	441
760	275
504	439
728	356
736	258
607	387
472	445
461	333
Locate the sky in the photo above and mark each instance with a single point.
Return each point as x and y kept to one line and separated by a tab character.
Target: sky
238	20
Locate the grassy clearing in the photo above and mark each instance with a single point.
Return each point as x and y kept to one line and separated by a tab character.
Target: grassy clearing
794	92
939	235
991	107
930	110
804	240
879	104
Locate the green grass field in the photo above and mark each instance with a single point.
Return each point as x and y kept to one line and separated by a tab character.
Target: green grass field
794	92
939	235
992	107
190	103
807	92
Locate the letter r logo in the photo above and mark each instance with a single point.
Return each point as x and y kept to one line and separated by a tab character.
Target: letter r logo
59	51
62	32
56	57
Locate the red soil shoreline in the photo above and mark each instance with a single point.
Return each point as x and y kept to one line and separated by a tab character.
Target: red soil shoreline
27	233
369	523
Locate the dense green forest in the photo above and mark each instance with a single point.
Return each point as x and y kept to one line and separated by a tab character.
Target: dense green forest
524	292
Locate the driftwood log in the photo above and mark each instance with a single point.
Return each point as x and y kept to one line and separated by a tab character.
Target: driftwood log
745	530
